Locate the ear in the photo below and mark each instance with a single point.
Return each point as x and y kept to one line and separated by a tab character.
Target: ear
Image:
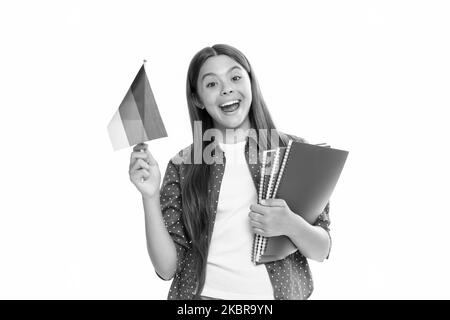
197	101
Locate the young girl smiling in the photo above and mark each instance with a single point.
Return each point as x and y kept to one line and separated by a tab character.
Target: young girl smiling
201	221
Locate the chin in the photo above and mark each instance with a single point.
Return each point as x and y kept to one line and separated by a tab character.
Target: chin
233	125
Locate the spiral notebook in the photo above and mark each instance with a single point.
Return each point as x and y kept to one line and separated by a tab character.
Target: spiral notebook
304	175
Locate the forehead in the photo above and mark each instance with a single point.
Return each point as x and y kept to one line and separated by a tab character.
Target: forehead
220	64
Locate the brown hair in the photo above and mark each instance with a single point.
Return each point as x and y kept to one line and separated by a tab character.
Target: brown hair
197	215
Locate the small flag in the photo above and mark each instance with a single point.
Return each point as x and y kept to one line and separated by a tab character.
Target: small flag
138	119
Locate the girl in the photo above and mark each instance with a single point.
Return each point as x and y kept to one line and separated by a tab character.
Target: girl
200	223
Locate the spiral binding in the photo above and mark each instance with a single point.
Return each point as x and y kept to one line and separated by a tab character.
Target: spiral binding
260	242
272	174
257	237
283	165
264	240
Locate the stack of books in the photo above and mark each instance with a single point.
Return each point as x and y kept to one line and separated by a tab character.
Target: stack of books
304	175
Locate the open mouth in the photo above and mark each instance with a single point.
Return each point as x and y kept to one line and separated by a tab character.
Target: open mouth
230	106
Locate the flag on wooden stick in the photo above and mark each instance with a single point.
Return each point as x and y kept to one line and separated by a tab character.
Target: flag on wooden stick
138	119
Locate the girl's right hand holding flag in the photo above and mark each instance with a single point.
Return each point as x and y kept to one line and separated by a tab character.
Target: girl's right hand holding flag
144	171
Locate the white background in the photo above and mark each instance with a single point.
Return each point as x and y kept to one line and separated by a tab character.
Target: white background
371	77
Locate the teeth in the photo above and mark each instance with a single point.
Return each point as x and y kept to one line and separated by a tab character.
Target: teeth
229	103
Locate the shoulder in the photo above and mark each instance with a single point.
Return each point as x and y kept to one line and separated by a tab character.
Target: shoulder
176	166
182	156
285	137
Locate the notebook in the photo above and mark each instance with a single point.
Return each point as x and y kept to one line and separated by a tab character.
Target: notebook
304	175
259	241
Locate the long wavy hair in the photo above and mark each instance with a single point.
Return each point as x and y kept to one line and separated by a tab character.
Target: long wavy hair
197	208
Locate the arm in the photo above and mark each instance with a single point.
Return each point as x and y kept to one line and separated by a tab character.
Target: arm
160	245
162	213
313	241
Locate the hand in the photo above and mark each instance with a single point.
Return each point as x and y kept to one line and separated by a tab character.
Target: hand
144	171
271	218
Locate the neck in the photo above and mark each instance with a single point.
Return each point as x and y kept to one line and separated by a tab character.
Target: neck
235	135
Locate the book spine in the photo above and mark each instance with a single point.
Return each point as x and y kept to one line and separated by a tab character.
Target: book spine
283	165
263	173
262	241
273	173
257	238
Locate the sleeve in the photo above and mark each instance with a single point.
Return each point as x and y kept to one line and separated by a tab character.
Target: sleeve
323	221
171	208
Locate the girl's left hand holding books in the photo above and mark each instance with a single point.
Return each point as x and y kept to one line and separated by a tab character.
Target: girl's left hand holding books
271	218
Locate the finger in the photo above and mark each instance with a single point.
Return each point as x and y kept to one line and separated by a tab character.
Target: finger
255	216
255	207
144	173
140	146
259	231
137	176
136	155
273	202
140	164
259	208
256	224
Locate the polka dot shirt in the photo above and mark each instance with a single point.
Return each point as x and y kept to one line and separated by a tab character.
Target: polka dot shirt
290	277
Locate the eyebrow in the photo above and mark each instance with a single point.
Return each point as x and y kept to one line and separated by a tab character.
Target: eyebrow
213	74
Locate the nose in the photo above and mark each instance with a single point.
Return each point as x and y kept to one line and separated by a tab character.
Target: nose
226	91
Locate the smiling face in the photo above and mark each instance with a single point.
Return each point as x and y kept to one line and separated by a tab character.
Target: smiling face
224	89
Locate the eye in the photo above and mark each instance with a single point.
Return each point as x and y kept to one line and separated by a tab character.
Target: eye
210	84
236	78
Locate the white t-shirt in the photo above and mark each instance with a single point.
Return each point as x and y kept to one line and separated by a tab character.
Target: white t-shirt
230	273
